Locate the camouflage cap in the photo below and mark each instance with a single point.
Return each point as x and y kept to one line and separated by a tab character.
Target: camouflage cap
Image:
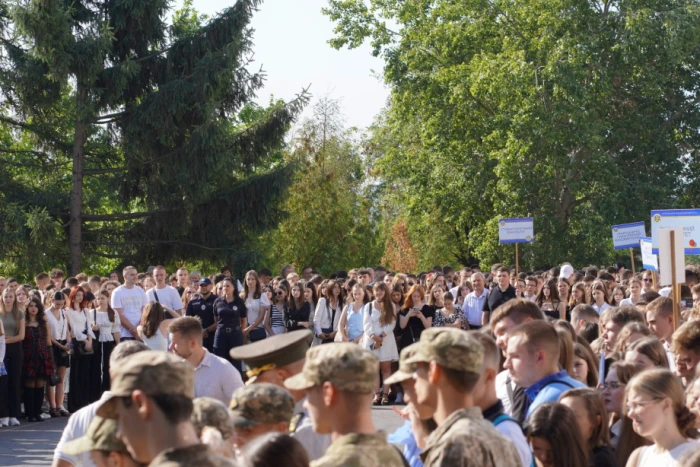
347	366
101	435
261	403
154	373
211	412
274	352
450	348
406	369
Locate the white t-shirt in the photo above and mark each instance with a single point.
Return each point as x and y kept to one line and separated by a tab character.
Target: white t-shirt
167	296
76	428
131	301
652	456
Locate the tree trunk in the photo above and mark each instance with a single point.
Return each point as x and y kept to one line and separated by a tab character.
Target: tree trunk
76	193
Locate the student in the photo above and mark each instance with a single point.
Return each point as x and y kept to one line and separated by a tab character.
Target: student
485	398
631	333
13	321
298	310
618	295
648	352
599	298
619	317
109	329
582	314
153	329
592	419
549	302
498	295
338	381
578	295
635	288
60	337
448	366
415	316
449	315
258	306
81	374
685	345
655	403
128	301
38	364
585	366
659	317
532	359
327	315
555	437
350	328
379	320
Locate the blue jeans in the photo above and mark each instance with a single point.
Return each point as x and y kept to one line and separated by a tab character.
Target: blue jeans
225	339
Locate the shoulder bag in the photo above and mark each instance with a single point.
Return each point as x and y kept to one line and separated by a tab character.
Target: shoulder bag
79	346
330	329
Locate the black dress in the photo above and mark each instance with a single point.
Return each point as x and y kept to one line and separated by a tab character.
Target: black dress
295	316
414	327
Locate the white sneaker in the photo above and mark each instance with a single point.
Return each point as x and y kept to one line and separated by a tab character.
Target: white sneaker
4	421
45	416
14	422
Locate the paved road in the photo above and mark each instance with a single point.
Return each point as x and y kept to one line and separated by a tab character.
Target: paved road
33	443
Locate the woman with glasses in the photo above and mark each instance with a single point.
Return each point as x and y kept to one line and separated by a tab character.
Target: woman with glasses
231	316
656	405
622	436
274	321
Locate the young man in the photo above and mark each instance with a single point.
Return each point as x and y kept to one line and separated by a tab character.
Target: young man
659	315
202	306
620	317
257	409
102	444
448	363
532	359
508	317
582	314
491	407
530	288
128	301
214	376
274	360
686	347
499	295
95	283
183	277
57	276
42	280
339	384
151	398
167	296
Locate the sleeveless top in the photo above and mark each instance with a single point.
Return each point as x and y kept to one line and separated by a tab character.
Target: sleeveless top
156	342
354	327
652	456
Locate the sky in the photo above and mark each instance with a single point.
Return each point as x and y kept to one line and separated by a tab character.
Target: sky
291	45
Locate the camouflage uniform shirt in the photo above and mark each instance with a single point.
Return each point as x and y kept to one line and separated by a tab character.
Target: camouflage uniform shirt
465	438
361	450
197	455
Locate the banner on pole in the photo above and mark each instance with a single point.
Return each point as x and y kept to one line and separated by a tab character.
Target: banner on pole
688	219
518	230
627	235
649	260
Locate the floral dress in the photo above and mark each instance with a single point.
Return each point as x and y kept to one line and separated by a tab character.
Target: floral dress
439	320
37	360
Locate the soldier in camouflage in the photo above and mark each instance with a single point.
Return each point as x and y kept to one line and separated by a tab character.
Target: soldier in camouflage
213	424
448	362
260	408
339	382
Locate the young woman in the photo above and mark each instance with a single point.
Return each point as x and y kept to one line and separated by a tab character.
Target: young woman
555	438
548	301
656	404
258	306
38	364
298	309
617	296
564	291
13	320
629	334
585	366
312	298
401	280
327	314
379	320
599	298
622	437
350	327
189	293
80	323
520	287
592	420
22	299
578	295
269	292
435	298
230	314
648	352
274	321
462	292
415	316
108	324
153	329
448	315
60	338
635	292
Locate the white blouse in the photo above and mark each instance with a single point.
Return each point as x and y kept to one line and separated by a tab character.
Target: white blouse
58	327
323	316
254	306
372	325
78	321
107	328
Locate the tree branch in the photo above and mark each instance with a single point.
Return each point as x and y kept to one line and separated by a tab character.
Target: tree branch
122	217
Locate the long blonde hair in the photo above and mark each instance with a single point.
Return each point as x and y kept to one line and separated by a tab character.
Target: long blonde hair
388	315
15	306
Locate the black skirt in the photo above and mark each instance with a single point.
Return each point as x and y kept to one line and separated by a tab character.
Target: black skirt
60	356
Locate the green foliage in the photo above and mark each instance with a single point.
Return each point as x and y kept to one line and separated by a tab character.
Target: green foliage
579	114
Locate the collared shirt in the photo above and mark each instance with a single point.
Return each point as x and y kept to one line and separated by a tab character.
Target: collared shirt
197	454
216	377
510	429
76	427
229	314
361	450
473	305
203	308
549	388
466	438
303	431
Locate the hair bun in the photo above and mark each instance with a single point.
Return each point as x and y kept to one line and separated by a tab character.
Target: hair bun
686	422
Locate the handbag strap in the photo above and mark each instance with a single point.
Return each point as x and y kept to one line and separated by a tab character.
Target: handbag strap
63	328
155	294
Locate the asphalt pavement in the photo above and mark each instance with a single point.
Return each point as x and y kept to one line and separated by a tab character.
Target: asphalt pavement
33	443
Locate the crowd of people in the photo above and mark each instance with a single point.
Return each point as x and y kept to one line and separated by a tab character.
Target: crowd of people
562	367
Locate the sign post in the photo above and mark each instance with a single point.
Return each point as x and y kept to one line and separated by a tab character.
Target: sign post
627	236
672	264
518	230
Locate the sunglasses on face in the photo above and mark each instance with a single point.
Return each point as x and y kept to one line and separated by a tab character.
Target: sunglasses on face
279	292
648	280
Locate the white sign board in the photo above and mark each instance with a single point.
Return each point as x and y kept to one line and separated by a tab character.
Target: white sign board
665	255
627	235
518	230
688	219
649	260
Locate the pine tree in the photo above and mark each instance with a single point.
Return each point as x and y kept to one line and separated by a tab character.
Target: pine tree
146	118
